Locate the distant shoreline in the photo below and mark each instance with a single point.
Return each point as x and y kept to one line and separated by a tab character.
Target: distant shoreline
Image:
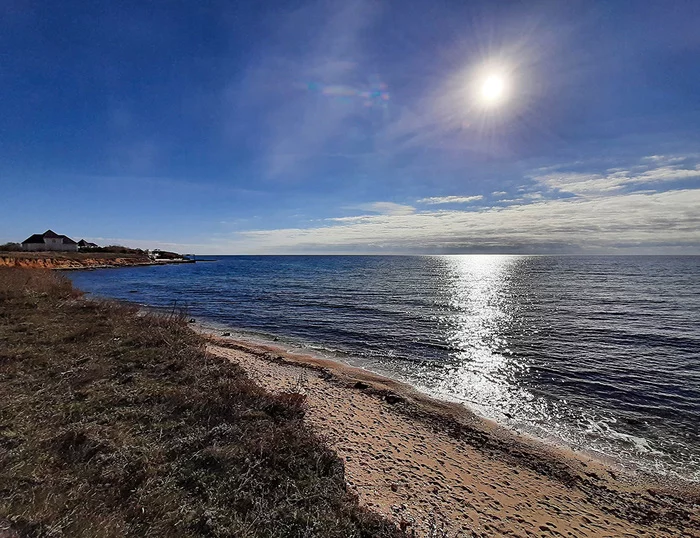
81	260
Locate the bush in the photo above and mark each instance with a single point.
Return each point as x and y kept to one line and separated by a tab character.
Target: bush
117	423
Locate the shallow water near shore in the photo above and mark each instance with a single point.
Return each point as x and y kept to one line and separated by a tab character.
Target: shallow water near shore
598	353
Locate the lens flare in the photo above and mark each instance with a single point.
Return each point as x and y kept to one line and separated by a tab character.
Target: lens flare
374	95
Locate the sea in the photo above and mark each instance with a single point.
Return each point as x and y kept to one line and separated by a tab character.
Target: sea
597	353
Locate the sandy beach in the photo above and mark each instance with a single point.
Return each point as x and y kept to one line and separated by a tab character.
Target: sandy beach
438	470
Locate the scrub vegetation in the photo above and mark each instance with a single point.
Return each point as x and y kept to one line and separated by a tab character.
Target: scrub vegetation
117	423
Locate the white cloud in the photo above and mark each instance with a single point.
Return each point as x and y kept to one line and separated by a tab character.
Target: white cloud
582	183
386	208
358	218
449	200
616	209
644	220
666	173
655	169
666	159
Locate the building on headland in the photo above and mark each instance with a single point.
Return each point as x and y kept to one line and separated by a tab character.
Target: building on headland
49	240
86	244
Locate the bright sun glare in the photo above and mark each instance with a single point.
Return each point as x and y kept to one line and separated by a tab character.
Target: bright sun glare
493	89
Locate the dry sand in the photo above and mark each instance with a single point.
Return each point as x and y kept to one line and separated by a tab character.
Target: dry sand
437	470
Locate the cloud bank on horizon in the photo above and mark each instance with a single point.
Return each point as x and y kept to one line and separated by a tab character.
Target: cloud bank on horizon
616	211
354	127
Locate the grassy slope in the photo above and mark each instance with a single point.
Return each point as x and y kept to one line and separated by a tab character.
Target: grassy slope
115	424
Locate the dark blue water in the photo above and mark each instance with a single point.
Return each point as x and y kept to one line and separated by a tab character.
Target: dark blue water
601	353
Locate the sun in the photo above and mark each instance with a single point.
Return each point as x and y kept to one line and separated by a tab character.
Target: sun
492	89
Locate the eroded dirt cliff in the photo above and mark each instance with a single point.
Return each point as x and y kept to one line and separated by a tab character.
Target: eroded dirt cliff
69	261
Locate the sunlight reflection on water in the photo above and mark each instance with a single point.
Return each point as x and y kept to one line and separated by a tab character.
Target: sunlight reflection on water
484	371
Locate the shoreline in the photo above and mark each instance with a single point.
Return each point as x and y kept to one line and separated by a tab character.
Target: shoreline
543	394
417	459
288	346
117	266
409	477
71	262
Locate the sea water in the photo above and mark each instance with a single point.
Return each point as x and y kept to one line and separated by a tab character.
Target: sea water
599	353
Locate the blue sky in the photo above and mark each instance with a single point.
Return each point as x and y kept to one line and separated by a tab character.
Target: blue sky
352	126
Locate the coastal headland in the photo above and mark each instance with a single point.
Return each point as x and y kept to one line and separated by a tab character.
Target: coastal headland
81	260
436	468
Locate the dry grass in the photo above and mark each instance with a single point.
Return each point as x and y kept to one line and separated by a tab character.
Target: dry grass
118	424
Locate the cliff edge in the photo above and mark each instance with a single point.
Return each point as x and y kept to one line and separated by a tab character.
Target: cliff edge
78	260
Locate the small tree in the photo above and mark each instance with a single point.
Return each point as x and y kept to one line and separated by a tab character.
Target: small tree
11	247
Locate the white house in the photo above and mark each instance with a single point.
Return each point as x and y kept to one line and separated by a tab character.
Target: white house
49	240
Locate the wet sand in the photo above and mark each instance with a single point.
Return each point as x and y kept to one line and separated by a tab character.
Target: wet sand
438	470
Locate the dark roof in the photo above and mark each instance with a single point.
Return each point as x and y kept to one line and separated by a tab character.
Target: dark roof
50	234
36	238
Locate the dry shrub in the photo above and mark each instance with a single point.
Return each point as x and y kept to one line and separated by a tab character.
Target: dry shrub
16	284
114	423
